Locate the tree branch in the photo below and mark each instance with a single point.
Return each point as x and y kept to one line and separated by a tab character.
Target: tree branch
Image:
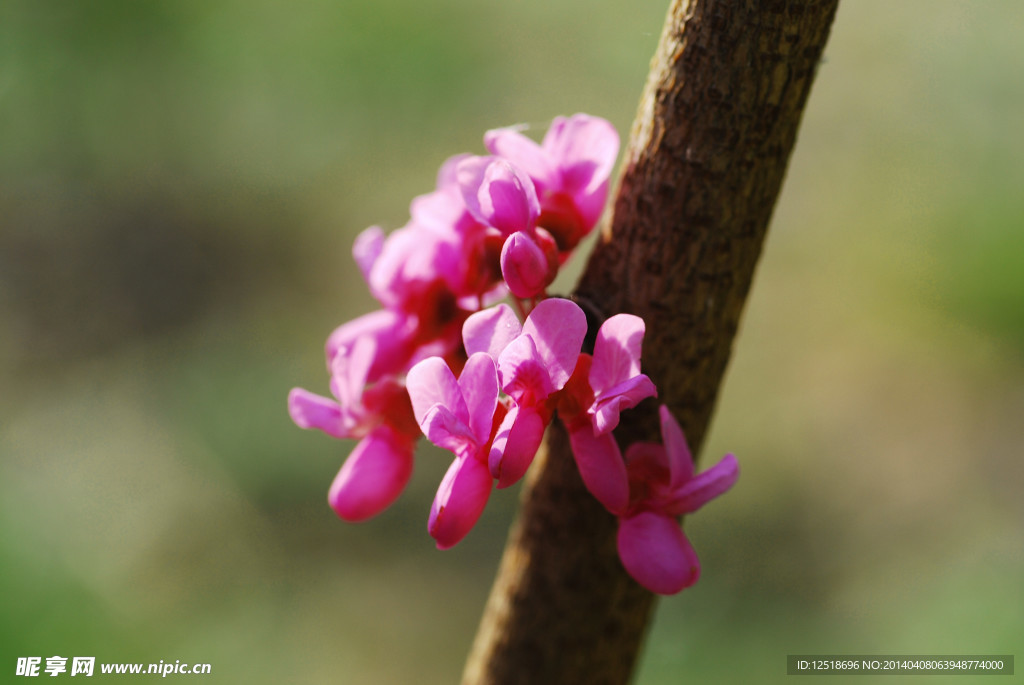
706	159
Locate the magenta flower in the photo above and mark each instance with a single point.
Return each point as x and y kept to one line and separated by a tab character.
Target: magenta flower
429	275
600	388
393	338
570	169
379	415
498	194
539	361
459	416
534	363
403	267
344	417
495	225
502	197
442	243
652	546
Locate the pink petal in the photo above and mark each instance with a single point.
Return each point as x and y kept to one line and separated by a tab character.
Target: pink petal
704	487
413	257
490	330
350	371
367	249
438	404
584	149
373	476
390	331
590	205
524	376
479	385
309	410
444	210
442	213
446	430
430	383
459	502
447	175
515	445
558	327
498	194
656	553
524	266
610	403
616	351
601	466
680	461
521	151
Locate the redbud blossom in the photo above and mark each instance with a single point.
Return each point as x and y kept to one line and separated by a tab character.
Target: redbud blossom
533	364
651	544
438	360
498	194
570	169
378	415
457	415
601	387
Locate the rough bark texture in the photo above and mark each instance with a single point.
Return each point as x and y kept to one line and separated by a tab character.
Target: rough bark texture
703	168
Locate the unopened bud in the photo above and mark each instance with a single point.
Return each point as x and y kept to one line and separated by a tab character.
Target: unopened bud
524	265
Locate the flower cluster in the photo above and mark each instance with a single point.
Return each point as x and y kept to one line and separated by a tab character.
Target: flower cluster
445	358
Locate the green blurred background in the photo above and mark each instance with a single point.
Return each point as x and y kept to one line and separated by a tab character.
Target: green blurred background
180	183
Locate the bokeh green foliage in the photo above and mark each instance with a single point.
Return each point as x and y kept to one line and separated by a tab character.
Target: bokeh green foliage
180	183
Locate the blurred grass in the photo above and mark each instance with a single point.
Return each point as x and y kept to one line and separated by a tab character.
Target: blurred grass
180	183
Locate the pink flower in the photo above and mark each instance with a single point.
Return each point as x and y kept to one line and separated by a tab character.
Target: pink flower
652	546
496	225
442	243
498	194
476	273
393	342
408	263
429	275
570	169
458	415
502	197
533	362
379	415
600	388
346	417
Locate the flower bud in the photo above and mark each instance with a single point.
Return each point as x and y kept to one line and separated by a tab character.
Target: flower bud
524	265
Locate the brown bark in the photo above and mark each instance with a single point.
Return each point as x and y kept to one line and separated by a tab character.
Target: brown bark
706	159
